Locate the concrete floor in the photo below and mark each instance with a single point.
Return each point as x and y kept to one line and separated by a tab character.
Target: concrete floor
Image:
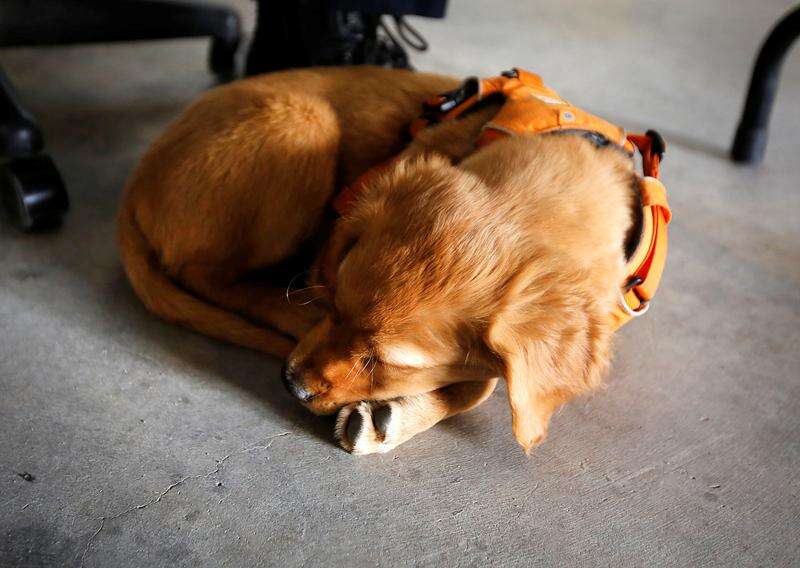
152	446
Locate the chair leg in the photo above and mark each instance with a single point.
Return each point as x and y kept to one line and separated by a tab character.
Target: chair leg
750	142
19	133
57	22
30	186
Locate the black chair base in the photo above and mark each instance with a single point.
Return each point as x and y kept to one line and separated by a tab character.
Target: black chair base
750	141
30	186
33	193
59	22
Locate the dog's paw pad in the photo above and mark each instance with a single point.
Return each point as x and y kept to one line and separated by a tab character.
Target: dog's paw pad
381	418
367	427
354	425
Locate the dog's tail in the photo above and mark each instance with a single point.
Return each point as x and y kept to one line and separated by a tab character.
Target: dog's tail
165	298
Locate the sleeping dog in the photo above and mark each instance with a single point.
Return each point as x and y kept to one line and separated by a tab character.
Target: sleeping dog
471	251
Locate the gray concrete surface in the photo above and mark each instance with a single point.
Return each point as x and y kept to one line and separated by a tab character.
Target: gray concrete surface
152	446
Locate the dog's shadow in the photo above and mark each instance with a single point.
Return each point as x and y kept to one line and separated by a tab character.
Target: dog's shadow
101	132
256	374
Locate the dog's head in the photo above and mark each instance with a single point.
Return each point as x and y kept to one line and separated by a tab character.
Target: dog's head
432	281
403	288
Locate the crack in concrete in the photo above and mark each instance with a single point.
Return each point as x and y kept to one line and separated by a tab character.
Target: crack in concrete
172	486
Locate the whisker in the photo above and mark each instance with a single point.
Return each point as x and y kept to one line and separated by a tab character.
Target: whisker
372	374
306	288
370	361
289	287
351	370
309	301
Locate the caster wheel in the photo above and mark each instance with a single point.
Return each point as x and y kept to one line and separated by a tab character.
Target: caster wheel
33	192
222	58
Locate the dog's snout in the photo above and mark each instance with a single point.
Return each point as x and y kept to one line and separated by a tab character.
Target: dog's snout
300	392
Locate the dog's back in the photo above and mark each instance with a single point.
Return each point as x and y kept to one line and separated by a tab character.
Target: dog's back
241	179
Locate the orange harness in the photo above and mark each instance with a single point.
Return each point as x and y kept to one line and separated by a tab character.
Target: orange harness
531	107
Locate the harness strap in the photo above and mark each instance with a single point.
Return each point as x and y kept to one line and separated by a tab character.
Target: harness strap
647	263
528	106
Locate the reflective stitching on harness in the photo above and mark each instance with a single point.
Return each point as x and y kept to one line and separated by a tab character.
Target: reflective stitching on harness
548	100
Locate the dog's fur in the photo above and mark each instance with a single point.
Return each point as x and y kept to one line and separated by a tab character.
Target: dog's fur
455	267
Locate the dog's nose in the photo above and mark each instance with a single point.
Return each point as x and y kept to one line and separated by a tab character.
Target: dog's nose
297	391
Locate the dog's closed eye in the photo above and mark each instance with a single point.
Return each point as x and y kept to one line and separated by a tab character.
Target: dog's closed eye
406	355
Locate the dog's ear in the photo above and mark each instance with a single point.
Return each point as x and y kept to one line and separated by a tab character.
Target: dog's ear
552	342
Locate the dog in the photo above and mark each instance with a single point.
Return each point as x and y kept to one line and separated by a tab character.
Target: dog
456	266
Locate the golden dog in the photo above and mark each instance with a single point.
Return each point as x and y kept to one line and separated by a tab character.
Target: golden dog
456	267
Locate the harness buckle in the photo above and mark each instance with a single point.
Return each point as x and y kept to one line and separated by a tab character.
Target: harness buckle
634	281
658	146
451	99
643	307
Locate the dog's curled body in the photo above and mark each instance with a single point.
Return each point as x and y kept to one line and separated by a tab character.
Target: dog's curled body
455	267
241	179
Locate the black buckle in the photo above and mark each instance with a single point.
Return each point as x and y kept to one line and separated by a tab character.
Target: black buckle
451	99
658	145
633	282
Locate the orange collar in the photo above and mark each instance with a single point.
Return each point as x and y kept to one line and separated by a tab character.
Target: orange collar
531	107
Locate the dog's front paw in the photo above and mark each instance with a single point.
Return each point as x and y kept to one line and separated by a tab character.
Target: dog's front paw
372	427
